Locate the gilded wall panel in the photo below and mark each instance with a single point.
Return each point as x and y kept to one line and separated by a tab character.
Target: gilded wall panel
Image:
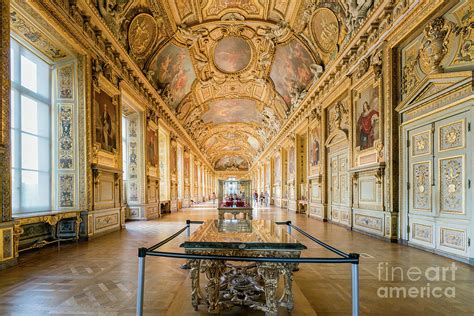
5	181
422	144
105	222
84	190
6	244
422	232
66	85
66	194
451	178
421	190
66	142
443	44
453	238
451	136
69	117
366	221
367	190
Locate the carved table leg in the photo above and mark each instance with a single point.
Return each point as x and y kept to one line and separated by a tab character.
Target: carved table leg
269	272
213	270
78	226
287	297
195	286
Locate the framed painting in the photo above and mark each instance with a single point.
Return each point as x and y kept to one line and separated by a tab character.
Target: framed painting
152	148
277	169
186	165
367	121
314	148
106	120
291	162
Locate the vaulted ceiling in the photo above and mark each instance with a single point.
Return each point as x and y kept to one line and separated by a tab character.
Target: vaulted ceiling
231	70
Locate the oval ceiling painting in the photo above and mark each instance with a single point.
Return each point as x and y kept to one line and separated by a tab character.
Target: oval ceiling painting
232	54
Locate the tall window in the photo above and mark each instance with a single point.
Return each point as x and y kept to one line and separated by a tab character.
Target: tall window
30	131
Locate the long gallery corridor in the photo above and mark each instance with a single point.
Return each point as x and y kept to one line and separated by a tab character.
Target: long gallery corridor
122	119
100	276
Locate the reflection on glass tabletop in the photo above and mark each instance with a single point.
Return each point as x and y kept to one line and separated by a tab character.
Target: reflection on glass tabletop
242	234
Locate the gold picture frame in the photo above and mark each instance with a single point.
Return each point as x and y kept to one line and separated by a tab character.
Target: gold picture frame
106	123
367	116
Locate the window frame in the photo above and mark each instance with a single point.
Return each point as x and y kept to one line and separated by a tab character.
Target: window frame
19	49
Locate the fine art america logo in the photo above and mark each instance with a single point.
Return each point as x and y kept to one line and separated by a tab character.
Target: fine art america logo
416	282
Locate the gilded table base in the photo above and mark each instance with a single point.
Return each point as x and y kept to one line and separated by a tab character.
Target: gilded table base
253	285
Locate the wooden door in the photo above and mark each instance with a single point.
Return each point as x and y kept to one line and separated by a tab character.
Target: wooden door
439	171
339	188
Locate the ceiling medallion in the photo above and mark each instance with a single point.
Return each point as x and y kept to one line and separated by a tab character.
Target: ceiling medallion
232	54
142	33
325	30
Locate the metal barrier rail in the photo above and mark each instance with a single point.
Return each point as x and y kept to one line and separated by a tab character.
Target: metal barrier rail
352	258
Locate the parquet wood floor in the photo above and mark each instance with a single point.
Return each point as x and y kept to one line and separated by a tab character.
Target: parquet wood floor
99	277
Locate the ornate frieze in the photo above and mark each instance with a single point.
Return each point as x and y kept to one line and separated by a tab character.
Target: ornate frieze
30	33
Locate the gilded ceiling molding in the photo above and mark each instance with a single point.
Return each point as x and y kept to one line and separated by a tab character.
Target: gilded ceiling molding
383	19
85	22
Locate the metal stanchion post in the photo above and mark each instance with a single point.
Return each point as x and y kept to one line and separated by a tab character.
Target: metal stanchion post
141	280
355	284
288	227
188	231
186	266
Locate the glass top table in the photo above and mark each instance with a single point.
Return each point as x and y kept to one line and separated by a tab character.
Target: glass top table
242	234
253	285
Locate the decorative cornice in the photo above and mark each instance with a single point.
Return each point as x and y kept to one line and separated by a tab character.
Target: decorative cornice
384	20
84	24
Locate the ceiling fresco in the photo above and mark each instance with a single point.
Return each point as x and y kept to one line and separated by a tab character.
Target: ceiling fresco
232	54
291	69
236	163
172	73
231	70
232	111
